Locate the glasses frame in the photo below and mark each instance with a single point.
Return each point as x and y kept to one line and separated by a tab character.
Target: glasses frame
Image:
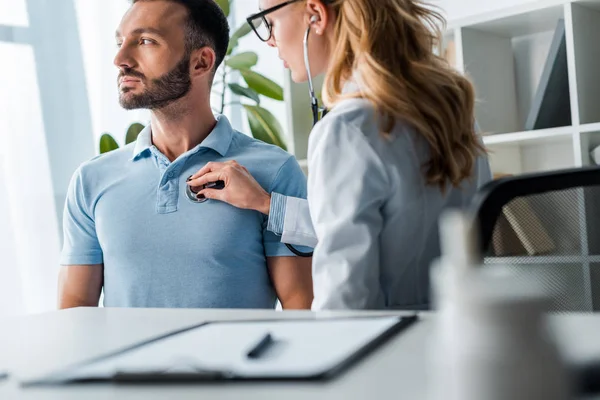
263	14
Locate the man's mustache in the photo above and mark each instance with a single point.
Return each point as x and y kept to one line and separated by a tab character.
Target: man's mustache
131	74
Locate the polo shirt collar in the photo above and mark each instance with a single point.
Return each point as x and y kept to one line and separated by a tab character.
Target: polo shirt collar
142	143
218	140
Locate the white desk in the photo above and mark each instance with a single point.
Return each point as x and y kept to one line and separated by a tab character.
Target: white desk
37	344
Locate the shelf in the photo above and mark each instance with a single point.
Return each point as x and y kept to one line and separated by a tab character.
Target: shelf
543	135
516	21
541	260
590	128
589	141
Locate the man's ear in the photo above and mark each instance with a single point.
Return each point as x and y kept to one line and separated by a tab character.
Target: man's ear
202	62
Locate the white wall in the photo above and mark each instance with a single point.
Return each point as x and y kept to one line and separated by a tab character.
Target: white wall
456	9
13	12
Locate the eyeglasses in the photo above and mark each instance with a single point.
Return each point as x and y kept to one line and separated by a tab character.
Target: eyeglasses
259	23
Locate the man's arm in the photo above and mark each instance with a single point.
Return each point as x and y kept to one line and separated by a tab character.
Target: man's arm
82	272
292	279
80	285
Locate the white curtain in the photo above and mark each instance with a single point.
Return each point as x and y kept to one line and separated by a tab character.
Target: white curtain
29	241
36	161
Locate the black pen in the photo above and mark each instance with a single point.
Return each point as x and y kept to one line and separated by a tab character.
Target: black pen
261	346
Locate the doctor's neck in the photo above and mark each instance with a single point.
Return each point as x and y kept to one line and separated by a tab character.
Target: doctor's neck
183	124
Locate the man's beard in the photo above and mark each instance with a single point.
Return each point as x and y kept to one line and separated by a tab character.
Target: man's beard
161	91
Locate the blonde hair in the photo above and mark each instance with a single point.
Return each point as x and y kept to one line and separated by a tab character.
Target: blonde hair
389	45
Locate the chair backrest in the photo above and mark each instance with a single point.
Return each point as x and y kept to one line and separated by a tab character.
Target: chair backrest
546	228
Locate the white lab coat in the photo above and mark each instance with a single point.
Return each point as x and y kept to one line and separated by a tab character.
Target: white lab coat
373	213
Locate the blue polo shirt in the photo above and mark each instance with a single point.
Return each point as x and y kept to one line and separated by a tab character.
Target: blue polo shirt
128	210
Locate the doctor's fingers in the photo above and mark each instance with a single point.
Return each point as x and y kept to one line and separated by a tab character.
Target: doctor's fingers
208	177
210	167
216	166
212	194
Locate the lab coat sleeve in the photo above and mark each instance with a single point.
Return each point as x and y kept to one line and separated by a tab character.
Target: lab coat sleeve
277	213
290	218
347	189
290	181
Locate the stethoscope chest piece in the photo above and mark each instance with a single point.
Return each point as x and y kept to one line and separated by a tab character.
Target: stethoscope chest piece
191	194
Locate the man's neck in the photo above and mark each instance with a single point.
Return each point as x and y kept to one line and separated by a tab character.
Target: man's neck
178	128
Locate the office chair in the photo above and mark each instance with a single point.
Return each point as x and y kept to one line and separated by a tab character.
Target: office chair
545	227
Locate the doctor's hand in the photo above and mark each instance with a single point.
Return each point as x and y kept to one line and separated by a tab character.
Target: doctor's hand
241	189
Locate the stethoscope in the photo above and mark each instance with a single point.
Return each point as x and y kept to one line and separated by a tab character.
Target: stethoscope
316	110
314	102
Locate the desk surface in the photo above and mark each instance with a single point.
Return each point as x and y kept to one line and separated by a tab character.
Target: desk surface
37	344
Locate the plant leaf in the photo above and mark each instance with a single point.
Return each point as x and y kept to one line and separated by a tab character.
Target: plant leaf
133	132
224	4
262	85
244	91
264	126
107	143
245	60
232	45
242	31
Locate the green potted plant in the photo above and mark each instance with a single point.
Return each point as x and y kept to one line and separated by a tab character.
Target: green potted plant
263	124
108	143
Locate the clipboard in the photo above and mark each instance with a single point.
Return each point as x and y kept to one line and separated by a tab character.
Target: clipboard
302	350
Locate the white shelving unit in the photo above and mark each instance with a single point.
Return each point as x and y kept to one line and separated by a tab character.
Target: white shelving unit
504	53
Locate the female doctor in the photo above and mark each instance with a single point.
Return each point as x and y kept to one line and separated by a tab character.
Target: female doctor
396	149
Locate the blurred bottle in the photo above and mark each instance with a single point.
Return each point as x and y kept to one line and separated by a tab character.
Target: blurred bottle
491	341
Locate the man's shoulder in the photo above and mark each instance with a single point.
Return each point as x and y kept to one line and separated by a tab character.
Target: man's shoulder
246	142
269	164
107	164
269	155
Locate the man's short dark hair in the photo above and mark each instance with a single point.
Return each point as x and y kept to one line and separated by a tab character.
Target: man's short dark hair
206	26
